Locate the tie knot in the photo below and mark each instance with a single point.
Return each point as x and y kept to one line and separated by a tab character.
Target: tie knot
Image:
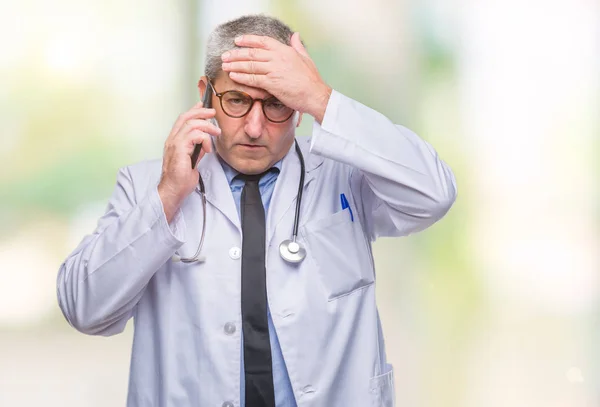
254	178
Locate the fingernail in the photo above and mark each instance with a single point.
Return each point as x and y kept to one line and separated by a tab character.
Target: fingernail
238	39
225	55
224	66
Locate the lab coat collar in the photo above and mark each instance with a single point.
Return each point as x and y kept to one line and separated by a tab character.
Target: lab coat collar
217	188
286	188
219	194
231	173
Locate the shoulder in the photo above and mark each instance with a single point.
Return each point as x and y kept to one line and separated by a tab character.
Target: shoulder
311	161
304	143
141	176
326	166
144	170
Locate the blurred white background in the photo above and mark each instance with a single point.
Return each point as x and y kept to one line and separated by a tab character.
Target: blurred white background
494	306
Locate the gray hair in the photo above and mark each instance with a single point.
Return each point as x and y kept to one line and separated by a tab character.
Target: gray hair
221	39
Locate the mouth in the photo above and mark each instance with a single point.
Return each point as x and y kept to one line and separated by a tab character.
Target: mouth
251	146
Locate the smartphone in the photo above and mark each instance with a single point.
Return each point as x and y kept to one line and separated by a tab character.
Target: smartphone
207	103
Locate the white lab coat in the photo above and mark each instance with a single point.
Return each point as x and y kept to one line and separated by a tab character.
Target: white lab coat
187	317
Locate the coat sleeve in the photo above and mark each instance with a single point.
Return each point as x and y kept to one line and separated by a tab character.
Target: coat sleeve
398	181
102	280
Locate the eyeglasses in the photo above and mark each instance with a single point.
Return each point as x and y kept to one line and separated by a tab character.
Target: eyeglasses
238	104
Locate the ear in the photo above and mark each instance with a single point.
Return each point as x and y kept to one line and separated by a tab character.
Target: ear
202	84
298	119
296	43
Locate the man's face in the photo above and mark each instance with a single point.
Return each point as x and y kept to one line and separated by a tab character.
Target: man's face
251	144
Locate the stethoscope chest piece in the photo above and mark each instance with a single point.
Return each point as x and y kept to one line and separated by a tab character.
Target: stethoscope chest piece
292	251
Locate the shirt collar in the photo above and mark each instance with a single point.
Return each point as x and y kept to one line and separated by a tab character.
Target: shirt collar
230	172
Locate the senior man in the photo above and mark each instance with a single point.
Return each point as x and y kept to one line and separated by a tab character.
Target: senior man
248	272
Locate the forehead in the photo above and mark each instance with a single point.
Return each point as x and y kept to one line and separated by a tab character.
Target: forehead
223	83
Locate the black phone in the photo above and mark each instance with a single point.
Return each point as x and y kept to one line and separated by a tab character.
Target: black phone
207	103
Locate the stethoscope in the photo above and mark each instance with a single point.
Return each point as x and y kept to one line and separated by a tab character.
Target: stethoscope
290	250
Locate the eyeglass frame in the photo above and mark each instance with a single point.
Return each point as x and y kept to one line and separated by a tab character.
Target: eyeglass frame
253	100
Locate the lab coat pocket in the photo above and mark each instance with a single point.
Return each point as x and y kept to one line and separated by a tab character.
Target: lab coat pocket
382	389
339	248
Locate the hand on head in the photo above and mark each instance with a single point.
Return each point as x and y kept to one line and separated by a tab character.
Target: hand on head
286	72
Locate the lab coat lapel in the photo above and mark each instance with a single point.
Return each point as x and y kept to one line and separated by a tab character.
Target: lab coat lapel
286	188
218	192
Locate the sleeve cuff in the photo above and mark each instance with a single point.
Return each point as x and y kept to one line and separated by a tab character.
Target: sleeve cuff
329	119
173	233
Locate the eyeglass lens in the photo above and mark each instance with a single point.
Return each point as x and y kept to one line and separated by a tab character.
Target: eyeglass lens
238	104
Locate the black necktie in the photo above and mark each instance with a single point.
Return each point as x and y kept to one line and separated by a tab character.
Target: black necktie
257	347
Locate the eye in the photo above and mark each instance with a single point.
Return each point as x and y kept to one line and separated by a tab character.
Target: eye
276	104
236	99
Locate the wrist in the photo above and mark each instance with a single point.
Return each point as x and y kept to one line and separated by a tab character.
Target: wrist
321	99
170	201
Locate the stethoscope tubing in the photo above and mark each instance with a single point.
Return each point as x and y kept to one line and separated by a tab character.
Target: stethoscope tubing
201	190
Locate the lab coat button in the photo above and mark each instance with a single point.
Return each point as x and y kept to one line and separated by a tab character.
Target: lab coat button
229	328
228	404
235	253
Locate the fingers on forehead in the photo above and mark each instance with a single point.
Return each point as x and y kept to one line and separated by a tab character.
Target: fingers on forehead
258	41
256	54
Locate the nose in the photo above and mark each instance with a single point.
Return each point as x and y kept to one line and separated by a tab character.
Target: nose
255	121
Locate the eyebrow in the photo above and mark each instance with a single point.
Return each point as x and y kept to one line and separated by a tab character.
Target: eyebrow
245	90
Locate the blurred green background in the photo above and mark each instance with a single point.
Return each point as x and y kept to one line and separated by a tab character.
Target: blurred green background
494	306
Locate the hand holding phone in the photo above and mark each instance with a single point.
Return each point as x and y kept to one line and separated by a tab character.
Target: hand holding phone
207	103
191	134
